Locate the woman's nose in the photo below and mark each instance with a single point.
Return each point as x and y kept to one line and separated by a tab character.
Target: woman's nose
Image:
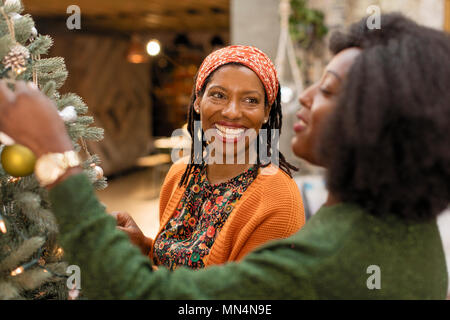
307	97
232	110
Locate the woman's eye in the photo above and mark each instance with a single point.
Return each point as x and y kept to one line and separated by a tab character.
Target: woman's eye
217	95
326	92
252	100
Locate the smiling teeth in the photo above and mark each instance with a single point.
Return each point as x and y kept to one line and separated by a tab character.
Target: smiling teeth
229	133
303	123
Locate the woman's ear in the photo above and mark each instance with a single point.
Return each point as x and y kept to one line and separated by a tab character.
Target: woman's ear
197	105
267	113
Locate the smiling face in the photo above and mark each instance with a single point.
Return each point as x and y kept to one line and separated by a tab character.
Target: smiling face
318	101
233	107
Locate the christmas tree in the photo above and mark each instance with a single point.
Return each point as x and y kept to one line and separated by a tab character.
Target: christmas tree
31	262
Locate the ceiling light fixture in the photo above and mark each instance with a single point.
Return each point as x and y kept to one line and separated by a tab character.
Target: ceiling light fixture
153	47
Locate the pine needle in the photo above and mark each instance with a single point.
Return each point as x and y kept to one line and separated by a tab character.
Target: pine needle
23	253
31	279
8	291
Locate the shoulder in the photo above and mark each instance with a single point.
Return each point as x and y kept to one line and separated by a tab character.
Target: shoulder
173	177
177	169
281	199
276	183
351	239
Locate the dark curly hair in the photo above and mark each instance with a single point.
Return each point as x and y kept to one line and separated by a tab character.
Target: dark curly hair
274	122
386	146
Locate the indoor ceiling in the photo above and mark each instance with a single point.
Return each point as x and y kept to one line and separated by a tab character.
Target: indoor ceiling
139	15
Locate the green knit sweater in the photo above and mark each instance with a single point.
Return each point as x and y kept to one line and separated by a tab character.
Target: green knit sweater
329	258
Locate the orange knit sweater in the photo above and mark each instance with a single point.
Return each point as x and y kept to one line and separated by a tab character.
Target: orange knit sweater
271	208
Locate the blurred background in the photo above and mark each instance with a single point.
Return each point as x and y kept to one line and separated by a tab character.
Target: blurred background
134	61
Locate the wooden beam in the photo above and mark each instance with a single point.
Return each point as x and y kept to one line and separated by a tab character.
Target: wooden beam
140	15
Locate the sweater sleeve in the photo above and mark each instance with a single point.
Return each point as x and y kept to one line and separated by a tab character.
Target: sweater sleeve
328	259
112	268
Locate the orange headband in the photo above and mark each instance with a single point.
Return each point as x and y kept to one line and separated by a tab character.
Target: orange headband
248	56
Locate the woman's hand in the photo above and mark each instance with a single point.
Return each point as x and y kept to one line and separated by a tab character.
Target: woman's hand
126	223
32	119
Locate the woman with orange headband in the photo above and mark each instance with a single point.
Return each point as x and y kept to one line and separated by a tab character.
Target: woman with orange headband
213	207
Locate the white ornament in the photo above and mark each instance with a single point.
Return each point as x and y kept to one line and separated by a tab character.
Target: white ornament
15	16
68	114
98	172
34	32
6	140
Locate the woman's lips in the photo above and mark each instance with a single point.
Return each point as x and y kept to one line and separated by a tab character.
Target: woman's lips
301	125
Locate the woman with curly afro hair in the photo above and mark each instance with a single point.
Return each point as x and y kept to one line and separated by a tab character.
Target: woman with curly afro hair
387	146
378	120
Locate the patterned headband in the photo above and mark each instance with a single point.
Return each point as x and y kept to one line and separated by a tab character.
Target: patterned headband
248	56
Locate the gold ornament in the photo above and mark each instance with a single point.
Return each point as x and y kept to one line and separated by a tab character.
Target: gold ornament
18	160
17	58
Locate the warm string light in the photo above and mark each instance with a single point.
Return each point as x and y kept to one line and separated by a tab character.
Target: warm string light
59	252
2	221
2	225
40	263
17	271
23	267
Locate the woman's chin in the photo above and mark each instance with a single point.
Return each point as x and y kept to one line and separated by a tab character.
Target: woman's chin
301	150
297	147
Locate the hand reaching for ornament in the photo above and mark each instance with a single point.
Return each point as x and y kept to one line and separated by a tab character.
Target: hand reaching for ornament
126	223
32	119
